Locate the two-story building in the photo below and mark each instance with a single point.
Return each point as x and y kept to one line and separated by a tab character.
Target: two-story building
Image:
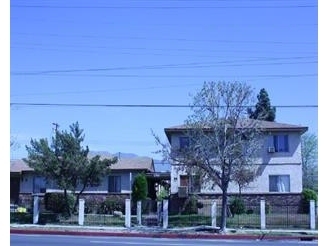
279	165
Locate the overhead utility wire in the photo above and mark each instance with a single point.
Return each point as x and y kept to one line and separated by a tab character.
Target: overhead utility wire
162	7
161	39
172	65
147	105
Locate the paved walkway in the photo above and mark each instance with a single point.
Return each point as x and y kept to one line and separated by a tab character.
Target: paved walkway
188	232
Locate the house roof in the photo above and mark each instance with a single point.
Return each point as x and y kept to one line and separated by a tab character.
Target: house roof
268	126
135	163
18	166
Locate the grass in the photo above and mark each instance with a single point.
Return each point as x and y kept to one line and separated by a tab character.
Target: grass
244	221
251	221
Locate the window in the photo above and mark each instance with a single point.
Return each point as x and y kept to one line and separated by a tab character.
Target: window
192	182
279	183
184	142
114	184
281	143
39	184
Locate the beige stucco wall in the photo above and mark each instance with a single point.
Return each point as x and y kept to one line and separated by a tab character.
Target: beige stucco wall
278	163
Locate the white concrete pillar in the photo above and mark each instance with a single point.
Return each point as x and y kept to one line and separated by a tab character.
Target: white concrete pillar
165	213
139	212
262	212
81	211
159	212
214	213
312	214
36	209
127	213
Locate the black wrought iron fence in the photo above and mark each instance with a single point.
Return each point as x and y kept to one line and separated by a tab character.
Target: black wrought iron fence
276	216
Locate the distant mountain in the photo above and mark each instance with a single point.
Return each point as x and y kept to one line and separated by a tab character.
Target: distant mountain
158	164
107	154
125	155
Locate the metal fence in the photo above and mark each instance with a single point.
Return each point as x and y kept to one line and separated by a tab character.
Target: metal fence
276	216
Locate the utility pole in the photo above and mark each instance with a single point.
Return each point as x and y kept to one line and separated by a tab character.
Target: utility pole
56	126
56	131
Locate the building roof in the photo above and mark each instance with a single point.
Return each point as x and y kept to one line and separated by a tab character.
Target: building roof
135	163
268	126
18	166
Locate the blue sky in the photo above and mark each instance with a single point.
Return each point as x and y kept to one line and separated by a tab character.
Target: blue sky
154	53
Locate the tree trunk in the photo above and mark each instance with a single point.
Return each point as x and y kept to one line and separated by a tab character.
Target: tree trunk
223	223
68	211
78	198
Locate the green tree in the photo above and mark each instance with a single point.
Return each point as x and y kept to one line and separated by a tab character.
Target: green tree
309	144
263	109
139	187
65	161
221	137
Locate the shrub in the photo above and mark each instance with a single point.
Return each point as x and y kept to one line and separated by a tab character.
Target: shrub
45	218
307	196
191	206
21	218
162	194
237	206
93	204
109	206
55	202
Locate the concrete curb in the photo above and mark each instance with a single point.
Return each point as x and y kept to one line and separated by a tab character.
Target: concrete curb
163	234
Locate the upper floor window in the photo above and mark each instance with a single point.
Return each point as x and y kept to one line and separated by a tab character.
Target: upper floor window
279	183
39	184
114	184
280	143
184	142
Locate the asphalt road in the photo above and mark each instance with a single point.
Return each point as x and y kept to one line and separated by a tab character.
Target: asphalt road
60	240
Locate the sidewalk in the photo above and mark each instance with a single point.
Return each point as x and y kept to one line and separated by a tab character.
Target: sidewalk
158	232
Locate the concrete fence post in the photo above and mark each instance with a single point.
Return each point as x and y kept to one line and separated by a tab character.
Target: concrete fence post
139	212
312	214
127	213
213	213
165	213
159	212
81	211
262	212
36	209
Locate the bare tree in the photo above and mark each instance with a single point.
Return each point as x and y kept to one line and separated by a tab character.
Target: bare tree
13	143
222	138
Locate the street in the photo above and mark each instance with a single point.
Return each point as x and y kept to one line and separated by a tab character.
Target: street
23	240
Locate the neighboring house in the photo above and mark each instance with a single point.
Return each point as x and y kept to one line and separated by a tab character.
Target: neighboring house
280	164
24	183
17	168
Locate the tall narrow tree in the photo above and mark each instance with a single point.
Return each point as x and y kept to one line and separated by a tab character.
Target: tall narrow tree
263	109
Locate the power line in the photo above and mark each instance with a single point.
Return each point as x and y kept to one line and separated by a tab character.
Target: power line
162	7
145	105
161	39
172	65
